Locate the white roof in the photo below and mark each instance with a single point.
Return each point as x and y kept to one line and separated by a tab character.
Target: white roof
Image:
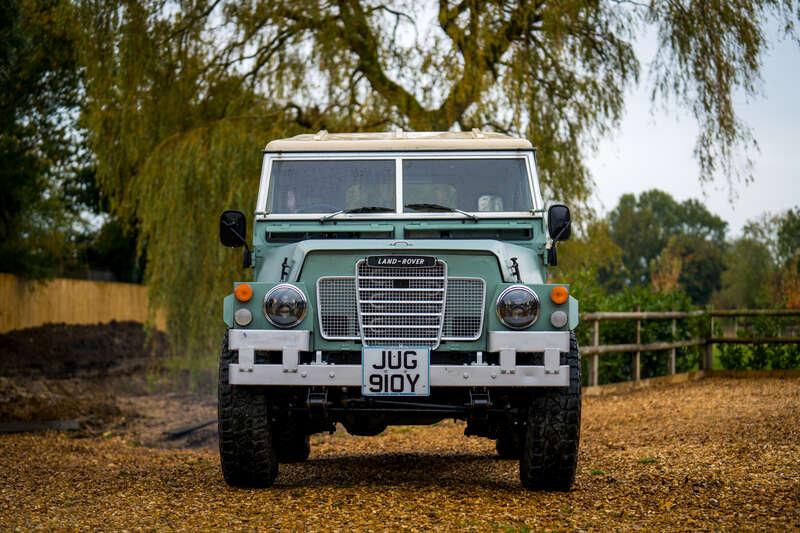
399	141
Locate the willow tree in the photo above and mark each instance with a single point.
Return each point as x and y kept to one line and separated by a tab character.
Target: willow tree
182	95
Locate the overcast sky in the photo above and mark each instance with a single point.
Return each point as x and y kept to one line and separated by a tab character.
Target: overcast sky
654	149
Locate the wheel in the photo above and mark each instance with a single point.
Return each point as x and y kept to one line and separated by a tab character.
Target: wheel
245	437
508	445
550	449
292	444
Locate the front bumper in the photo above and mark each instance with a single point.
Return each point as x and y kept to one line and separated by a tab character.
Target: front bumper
504	374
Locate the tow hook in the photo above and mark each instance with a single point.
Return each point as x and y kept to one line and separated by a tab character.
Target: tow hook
479	401
478	417
317	400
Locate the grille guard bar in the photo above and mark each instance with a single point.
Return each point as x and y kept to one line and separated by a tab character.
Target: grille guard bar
507	374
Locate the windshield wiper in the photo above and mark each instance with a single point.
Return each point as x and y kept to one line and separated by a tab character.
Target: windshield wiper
362	209
439	207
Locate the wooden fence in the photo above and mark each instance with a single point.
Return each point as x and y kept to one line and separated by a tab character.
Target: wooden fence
26	304
595	350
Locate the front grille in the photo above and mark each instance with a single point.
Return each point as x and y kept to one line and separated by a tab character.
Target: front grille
407	315
463	316
401	305
336	304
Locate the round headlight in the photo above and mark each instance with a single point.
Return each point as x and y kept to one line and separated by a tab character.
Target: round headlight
285	306
518	307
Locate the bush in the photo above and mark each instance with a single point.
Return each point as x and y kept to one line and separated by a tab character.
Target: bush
619	367
760	356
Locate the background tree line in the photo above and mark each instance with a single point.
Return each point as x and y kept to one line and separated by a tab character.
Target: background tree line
654	253
125	128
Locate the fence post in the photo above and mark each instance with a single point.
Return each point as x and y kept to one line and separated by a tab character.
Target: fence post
594	363
672	352
637	362
708	362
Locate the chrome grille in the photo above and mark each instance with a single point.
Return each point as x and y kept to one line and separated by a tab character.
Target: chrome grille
463	318
401	305
336	307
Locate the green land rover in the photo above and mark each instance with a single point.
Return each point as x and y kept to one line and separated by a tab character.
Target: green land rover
399	278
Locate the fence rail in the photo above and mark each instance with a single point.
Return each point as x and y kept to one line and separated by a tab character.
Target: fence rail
595	349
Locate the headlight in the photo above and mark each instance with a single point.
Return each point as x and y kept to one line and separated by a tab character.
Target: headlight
518	307
285	306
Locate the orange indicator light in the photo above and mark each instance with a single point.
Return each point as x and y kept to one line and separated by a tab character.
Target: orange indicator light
559	294
243	292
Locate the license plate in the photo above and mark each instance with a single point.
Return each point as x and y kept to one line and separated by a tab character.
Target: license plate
395	371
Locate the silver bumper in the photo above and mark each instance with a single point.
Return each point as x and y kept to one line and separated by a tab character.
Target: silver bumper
506	374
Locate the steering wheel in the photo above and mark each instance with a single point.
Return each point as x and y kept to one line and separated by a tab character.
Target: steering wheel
318	208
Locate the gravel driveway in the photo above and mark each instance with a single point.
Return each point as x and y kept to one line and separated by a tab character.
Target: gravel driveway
713	454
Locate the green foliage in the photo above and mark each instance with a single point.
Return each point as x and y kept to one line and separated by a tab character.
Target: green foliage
701	264
643	228
778	232
761	267
759	356
591	261
788	238
748	277
192	271
39	94
114	249
618	367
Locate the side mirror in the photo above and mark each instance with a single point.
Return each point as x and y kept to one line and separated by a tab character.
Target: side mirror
233	229
558	226
558	222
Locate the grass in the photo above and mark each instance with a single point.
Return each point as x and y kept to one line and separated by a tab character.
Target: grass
647	460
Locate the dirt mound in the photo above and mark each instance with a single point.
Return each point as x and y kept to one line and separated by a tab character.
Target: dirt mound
56	399
64	351
76	372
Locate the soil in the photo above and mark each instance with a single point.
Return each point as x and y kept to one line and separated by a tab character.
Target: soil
61	351
108	377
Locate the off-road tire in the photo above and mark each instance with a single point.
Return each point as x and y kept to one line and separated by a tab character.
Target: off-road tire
245	438
292	444
508	445
550	450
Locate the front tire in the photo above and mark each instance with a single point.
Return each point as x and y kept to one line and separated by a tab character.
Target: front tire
550	448
246	452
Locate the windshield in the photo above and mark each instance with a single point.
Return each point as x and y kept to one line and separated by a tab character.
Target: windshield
466	184
330	186
474	185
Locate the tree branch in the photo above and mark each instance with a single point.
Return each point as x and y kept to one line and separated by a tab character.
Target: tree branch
480	58
361	41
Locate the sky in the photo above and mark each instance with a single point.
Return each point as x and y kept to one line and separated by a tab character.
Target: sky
654	148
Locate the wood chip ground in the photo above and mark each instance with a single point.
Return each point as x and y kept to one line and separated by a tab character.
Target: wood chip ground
714	454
